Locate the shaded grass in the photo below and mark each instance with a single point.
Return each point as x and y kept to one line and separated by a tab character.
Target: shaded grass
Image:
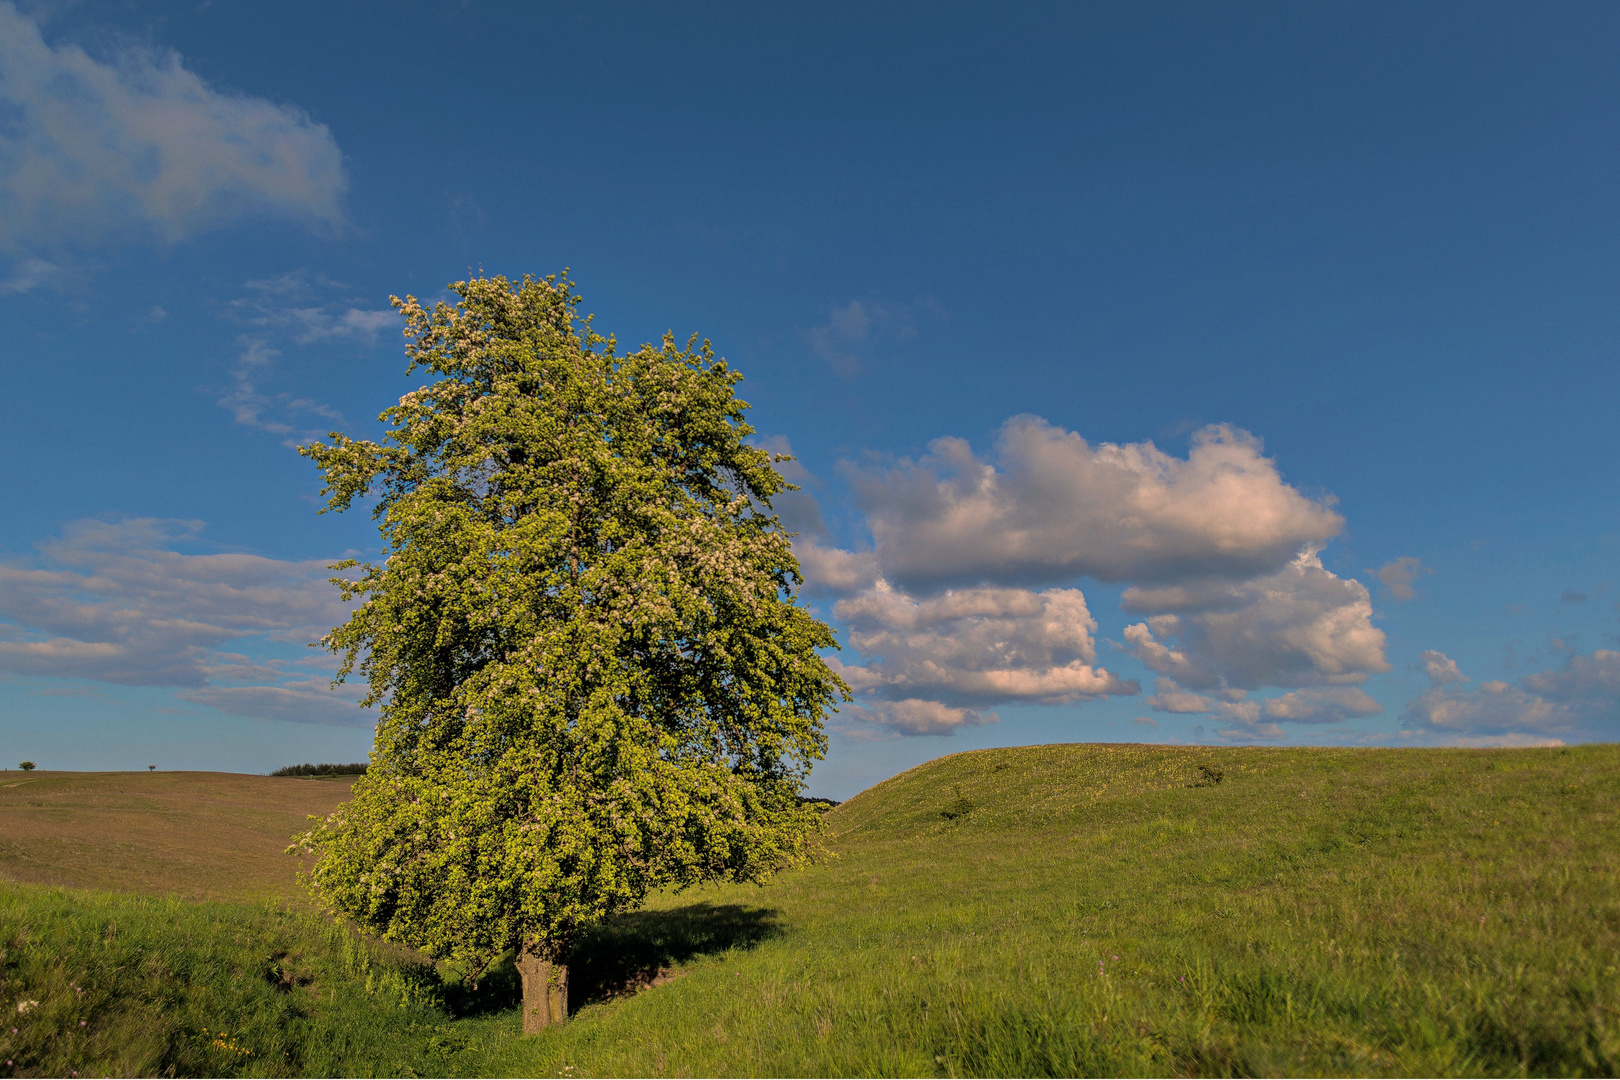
1086	910
128	985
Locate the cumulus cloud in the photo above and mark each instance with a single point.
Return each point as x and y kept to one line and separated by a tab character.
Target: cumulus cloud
1244	723
1580	699
1325	705
1441	669
139	145
975	646
1221	553
1262	718
833	571
116	603
1399	575
1046	507
917	716
1170	696
1300	626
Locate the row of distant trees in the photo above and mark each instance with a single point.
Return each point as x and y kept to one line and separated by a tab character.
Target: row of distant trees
323	769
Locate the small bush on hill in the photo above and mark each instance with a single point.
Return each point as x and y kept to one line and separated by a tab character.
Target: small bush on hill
958	807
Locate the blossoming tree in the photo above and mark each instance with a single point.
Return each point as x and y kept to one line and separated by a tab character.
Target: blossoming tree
592	675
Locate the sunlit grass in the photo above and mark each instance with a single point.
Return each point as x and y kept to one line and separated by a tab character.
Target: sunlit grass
1317	911
1085	910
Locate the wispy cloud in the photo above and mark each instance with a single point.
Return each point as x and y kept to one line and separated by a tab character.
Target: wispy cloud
1399	576
293	309
853	330
28	274
116	602
308	308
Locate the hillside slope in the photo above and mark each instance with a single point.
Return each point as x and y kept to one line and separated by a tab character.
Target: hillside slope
1112	909
202	836
1057	910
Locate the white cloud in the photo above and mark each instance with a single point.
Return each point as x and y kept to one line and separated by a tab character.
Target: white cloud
1262	718
1145	721
1301	626
1513	740
1441	669
976	646
141	146
1324	705
915	716
1590	684
115	603
1399	575
834	571
1169	696
1222	554
1047	507
1580	699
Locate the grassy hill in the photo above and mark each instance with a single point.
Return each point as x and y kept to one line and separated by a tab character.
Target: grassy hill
1050	910
203	836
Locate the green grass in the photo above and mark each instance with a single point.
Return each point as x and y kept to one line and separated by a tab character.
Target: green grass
1084	910
139	986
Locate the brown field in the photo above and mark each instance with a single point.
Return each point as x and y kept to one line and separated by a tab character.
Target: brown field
197	835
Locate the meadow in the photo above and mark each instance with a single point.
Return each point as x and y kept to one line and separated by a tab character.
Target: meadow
1056	910
202	836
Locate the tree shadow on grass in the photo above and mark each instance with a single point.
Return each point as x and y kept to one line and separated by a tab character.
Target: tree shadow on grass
627	953
636	949
497	990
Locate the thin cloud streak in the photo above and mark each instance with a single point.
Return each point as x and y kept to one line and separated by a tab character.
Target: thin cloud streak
114	602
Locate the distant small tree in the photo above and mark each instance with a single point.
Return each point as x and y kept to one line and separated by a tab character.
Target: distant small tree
26	766
153	768
593	676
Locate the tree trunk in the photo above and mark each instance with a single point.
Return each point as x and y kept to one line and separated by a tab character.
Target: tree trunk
545	991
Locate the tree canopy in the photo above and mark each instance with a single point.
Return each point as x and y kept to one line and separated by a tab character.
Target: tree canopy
592	674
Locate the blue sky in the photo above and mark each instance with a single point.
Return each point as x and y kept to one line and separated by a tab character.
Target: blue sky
1182	373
